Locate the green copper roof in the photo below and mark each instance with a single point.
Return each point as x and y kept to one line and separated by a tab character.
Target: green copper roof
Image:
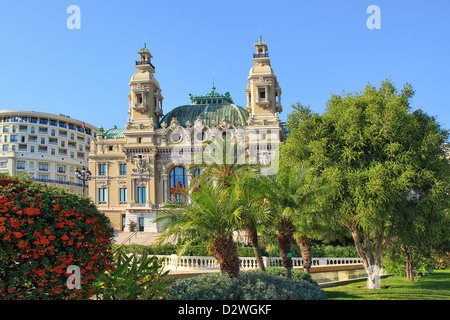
211	107
211	98
112	133
144	48
260	40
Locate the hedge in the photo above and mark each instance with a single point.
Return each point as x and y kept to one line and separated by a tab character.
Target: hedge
250	285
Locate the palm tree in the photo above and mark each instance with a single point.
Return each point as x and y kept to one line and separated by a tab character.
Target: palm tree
223	165
254	209
212	211
290	194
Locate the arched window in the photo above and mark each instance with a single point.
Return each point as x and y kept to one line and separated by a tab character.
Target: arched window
178	183
196	173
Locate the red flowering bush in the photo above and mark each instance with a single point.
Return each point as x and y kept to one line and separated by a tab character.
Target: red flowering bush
43	231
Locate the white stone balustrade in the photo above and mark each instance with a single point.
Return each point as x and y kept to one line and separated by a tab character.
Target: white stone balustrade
193	263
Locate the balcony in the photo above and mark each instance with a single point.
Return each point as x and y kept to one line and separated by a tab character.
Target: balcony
142	63
261	55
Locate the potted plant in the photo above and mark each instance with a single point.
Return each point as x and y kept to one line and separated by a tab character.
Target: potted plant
132	226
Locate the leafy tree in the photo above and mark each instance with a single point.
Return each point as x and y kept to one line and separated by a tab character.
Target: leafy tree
212	211
371	150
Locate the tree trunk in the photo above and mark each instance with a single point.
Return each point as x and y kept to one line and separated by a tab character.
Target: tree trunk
285	236
371	256
225	251
253	236
305	247
409	265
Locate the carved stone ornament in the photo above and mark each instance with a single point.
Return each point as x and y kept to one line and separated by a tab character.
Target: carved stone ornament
140	167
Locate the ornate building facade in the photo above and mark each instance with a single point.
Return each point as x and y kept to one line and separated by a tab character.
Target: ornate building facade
138	169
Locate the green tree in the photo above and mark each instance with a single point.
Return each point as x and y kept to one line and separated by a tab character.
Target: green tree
367	147
290	193
211	211
254	209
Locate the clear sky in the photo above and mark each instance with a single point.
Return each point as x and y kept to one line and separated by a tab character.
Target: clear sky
317	47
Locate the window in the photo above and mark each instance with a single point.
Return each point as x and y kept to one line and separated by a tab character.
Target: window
123	222
123	195
53	122
42	140
33	130
123	169
5	147
43	166
178	184
53	152
33	120
141	193
3	164
63	124
20	165
43	121
262	94
141	224
61	169
102	169
31	148
102	195
43	149
13	138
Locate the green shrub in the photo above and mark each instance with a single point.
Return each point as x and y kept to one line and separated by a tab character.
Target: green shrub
296	274
134	277
249	285
44	231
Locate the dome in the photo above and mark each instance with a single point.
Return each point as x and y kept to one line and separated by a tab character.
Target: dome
211	107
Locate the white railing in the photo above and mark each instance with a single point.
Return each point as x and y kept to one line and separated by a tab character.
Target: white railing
192	263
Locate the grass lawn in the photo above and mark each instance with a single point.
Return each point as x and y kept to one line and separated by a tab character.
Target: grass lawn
431	287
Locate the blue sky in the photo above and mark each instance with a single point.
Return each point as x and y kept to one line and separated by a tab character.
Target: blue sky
317	47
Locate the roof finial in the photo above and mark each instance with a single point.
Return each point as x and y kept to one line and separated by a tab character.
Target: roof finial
145	45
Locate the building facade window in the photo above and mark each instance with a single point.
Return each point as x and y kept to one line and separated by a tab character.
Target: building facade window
123	195
102	195
102	169
178	181
141	195
123	169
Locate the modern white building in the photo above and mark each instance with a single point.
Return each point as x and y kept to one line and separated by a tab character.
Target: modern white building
48	148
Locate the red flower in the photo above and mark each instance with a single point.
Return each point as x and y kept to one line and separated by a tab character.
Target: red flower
14	223
18	235
65	237
22	244
32	211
